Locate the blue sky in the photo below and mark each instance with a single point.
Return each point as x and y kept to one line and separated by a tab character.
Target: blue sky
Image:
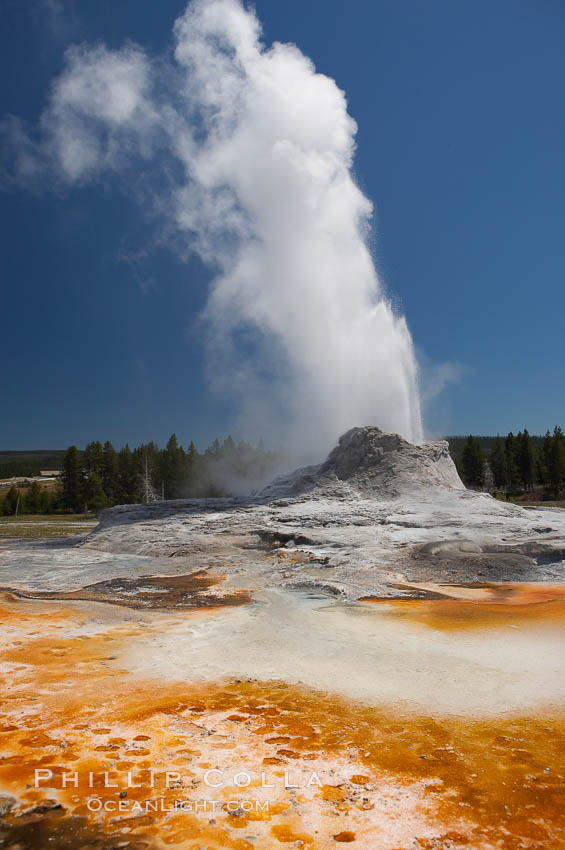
460	146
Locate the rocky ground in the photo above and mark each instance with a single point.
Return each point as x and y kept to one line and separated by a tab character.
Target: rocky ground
378	513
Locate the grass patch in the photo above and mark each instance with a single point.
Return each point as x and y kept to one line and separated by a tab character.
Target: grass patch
49	518
530	503
558	504
45	526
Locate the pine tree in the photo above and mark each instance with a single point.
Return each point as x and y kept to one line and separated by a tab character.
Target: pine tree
497	462
175	469
228	450
93	458
473	463
525	459
33	498
11	501
512	474
556	463
540	475
213	450
128	476
72	480
110	471
193	469
192	456
488	477
94	494
49	501
546	457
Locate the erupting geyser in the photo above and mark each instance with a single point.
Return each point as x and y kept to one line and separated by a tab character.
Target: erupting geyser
248	152
288	225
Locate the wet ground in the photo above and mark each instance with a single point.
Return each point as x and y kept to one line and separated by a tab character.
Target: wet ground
162	728
460	656
181	591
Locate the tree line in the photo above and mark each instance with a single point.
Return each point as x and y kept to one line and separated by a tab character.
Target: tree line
101	476
515	464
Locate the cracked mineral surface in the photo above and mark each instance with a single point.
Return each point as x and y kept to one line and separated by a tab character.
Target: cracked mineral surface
379	651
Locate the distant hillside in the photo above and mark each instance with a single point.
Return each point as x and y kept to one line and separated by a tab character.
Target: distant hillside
29	463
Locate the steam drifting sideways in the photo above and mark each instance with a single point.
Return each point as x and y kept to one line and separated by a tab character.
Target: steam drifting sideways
248	153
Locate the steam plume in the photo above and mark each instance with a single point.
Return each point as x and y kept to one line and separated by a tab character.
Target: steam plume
300	333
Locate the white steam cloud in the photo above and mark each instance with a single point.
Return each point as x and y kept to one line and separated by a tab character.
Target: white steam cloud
254	152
